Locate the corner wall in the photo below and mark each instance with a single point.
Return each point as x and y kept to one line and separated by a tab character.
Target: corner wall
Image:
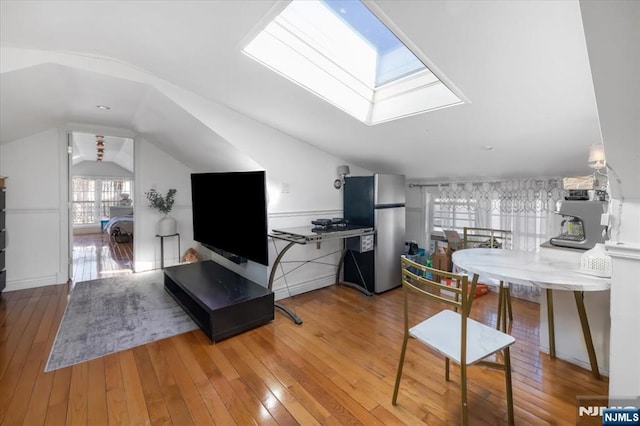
37	221
612	32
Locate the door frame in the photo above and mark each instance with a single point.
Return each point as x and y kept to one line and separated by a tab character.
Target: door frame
69	150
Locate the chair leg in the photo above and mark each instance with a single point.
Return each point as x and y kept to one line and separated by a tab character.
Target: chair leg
399	374
463	393
507	373
446	369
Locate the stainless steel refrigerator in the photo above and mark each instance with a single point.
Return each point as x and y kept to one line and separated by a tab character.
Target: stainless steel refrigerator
377	201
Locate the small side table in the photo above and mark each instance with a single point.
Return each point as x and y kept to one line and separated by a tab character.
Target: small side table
162	237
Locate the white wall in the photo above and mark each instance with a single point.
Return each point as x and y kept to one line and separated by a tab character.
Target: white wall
37	225
103	169
155	169
612	32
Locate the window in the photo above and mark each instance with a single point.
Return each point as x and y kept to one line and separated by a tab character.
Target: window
532	224
92	198
525	206
454	214
342	52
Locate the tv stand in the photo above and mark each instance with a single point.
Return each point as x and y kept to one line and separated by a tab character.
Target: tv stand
222	302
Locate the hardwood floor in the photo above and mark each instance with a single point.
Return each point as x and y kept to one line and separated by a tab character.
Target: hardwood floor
99	256
338	367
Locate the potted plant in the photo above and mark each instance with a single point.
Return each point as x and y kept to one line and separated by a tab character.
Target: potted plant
167	225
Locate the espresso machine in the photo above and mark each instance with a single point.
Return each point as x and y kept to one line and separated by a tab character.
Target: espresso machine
581	226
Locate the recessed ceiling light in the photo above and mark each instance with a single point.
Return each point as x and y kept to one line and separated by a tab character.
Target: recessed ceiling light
488	148
103	107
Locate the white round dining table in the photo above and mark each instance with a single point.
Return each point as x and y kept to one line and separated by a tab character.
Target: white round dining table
539	269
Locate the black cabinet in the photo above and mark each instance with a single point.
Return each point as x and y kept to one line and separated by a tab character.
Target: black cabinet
3	236
219	300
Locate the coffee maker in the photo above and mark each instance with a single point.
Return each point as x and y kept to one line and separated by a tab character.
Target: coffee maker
581	226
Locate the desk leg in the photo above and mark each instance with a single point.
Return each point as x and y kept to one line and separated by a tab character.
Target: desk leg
283	308
361	289
586	331
276	263
552	330
289	312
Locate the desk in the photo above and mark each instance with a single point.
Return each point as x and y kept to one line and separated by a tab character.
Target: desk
162	237
540	270
310	234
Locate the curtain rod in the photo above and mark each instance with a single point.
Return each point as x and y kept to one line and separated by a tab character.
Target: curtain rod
422	185
462	182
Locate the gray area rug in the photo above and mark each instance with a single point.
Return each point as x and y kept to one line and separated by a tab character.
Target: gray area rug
112	314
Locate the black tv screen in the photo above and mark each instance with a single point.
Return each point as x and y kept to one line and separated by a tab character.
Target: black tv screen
230	213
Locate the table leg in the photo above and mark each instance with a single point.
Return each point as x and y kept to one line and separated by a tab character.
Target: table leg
161	252
586	331
552	330
507	294
500	307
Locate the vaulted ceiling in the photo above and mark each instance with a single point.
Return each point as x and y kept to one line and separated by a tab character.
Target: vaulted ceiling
523	65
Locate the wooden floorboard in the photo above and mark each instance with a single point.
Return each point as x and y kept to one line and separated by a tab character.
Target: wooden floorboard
99	256
338	367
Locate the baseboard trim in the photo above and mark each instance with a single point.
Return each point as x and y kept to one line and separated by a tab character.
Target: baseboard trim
15	285
299	288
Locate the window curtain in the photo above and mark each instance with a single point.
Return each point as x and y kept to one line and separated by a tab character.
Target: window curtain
426	219
524	206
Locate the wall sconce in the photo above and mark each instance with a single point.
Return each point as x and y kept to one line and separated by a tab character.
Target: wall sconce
342	172
597	159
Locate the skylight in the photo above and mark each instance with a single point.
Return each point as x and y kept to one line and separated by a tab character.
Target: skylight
340	51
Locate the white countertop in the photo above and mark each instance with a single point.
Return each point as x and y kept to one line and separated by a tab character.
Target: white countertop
542	269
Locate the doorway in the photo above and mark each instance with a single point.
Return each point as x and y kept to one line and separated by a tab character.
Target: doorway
101	183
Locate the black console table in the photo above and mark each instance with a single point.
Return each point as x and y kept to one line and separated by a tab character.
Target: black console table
310	234
222	302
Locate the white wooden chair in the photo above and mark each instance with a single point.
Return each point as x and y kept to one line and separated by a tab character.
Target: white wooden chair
451	332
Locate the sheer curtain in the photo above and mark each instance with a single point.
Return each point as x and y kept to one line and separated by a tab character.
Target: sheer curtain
426	218
524	206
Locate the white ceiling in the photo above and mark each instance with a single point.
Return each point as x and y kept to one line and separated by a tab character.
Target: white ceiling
522	64
116	150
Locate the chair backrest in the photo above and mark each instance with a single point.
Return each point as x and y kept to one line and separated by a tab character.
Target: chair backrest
453	290
486	237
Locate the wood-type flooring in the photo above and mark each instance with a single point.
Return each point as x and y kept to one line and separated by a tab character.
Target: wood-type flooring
337	368
99	256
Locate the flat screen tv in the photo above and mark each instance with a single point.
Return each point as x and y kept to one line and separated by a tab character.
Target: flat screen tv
230	214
